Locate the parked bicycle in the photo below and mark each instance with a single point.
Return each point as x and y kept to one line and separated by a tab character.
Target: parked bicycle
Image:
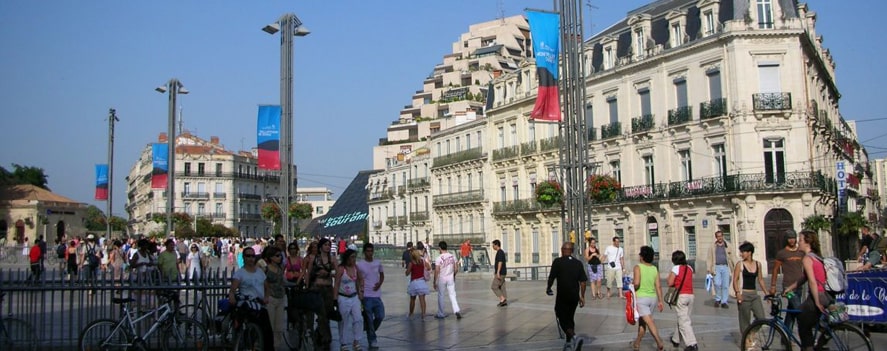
175	332
246	332
219	324
301	309
773	334
16	334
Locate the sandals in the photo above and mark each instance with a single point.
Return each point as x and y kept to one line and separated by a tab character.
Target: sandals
635	346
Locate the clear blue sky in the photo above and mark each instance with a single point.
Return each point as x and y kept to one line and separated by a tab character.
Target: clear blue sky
64	63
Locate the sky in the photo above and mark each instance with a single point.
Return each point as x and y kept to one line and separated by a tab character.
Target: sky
64	63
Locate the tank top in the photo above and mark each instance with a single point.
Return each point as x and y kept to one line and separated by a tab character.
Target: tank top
748	278
293	264
348	285
275	283
72	257
819	274
649	275
417	271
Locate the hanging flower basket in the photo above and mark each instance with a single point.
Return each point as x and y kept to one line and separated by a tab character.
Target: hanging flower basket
602	188
270	212
549	193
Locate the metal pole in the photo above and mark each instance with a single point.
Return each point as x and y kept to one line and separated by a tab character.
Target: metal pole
286	120
173	87
112	117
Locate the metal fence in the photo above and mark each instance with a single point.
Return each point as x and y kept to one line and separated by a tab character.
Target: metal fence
58	307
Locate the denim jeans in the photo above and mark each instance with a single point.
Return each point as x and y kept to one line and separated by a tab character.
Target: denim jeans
722	283
375	313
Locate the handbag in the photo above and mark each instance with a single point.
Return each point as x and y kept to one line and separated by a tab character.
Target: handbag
671	297
629	308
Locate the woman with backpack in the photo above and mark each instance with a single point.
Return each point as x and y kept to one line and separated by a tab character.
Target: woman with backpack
814	276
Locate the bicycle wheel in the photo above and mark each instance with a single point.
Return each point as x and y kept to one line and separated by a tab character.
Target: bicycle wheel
16	334
764	335
249	338
295	336
185	334
843	337
104	335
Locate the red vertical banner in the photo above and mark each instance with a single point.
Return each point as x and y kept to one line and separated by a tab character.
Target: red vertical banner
268	137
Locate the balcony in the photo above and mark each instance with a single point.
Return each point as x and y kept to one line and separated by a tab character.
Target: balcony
461	156
453	239
611	130
521	206
680	115
377	224
250	217
195	195
383	195
247	176
220	195
462	197
218	215
592	134
401	189
419	183
772	101
506	153
245	196
642	124
420	216
549	144
391	221
527	149
713	108
722	186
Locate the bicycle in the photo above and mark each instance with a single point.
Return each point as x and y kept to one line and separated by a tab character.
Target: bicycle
774	334
220	325
16	334
247	334
176	333
299	324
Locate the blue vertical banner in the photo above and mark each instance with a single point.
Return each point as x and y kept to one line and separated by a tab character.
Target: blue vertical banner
268	137
101	182
545	31
160	169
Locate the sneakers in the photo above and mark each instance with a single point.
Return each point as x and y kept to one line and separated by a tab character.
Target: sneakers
439	316
724	305
574	345
503	303
374	345
458	315
692	348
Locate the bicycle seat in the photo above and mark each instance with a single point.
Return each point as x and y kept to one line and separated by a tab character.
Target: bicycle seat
118	300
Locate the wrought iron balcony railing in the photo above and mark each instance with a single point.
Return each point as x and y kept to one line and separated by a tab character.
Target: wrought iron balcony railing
384	195
195	195
391	221
680	115
420	216
592	134
521	206
401	189
249	196
713	108
506	153
461	156
453	239
642	124
611	130
250	216
377	224
220	195
549	144
220	215
246	176
772	101
419	183
461	197
529	148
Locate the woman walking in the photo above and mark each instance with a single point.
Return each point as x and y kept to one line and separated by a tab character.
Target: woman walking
649	296
115	262
418	286
349	295
681	277
814	276
276	293
595	268
193	263
320	270
747	280
292	267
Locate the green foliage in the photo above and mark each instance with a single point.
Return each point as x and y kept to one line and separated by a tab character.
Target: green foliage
204	226
24	175
850	223
95	219
301	210
178	218
816	223
185	231
271	212
602	188
219	230
549	192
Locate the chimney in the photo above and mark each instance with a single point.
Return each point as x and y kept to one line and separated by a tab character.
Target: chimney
214	140
497	73
162	138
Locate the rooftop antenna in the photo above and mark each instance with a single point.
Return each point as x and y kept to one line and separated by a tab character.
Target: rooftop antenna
181	121
500	5
590	22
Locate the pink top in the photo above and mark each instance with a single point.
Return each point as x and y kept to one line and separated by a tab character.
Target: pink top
819	274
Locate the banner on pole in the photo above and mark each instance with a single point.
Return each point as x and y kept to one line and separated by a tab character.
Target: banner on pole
160	170
268	137
545	30
101	182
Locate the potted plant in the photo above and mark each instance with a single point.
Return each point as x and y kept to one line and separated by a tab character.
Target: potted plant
549	192
602	188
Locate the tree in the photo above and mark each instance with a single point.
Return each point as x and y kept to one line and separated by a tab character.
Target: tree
95	219
301	210
849	225
25	175
816	223
204	226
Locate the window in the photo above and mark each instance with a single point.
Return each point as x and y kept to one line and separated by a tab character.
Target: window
616	170
517	246
532	131
458	144
449	185
515	188
502	195
319	210
644	95
440	186
187	168
621	235
608	58
480	142
218	169
201	209
725	228
714	85
448	147
649	171
470	223
614	109
532	181
676	35
461	225
505	240
555	242
219	188
589	119
501	137
690	232
768	73
535	244
765	14
720	154
187	188
201	169
467	141
513	129
470	186
640	42
774	161
680	89
438	149
686	165
218	208
709	23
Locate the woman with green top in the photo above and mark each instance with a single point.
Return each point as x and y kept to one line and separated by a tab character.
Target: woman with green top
649	296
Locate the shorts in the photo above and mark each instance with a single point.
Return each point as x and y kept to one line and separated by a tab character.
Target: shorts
646	305
418	287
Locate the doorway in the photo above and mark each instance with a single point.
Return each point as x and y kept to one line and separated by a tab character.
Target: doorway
776	222
60	231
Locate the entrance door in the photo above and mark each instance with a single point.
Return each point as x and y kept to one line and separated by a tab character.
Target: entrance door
60	230
653	237
776	222
19	231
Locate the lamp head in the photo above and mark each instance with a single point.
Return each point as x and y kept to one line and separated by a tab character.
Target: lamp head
272	28
183	90
302	31
160	89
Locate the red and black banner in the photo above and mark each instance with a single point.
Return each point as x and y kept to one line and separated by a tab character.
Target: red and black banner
268	137
544	28
101	182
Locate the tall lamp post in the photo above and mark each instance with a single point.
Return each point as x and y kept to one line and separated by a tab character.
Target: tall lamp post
288	25
112	118
173	87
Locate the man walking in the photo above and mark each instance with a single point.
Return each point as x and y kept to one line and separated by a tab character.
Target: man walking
445	279
720	264
498	284
465	252
406	255
789	260
34	257
615	258
374	309
571	279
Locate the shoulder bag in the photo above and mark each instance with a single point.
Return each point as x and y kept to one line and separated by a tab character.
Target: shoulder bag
671	297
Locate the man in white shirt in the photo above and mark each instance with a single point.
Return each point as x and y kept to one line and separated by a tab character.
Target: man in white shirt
445	278
373	277
614	256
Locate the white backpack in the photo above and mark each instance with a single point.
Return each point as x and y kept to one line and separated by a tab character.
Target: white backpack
835	279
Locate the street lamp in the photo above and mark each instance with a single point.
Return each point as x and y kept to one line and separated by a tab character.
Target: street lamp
288	25
173	87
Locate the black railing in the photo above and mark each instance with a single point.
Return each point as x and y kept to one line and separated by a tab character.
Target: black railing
528	148
250	216
642	124
713	108
418	182
592	134
680	115
611	130
522	206
248	176
249	196
506	153
420	216
461	156
549	144
220	195
195	195
459	198
772	101
453	239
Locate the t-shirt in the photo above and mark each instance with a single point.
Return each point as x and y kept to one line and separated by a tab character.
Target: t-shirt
371	271
167	262
569	272
500	257
792	265
465	249
614	254
447	264
649	275
679	283
251	284
406	256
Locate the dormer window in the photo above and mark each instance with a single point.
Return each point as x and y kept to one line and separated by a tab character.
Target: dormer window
609	58
676	35
709	18
640	41
765	14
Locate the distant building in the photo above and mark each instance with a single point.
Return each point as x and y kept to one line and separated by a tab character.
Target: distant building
28	211
320	198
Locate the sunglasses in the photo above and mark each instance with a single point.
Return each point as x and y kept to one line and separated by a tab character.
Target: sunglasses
249	256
